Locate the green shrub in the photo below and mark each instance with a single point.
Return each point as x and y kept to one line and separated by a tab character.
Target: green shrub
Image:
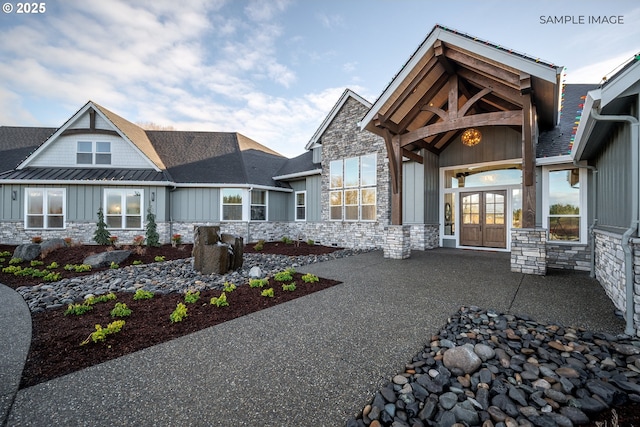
229	287
258	283
179	313
101	236
52	266
153	238
191	296
311	242
267	293
220	301
100	298
259	246
14	261
290	287
36	263
286	240
283	276
52	277
78	309
310	278
120	310
12	269
137	262
5	254
101	333
114	266
142	294
159	258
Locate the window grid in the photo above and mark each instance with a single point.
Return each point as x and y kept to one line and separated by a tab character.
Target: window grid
353	185
45	208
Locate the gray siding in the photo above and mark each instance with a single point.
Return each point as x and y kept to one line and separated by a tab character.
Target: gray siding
613	183
413	200
195	204
431	187
498	143
314	188
280	206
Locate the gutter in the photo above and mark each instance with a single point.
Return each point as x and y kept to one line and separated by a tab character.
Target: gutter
633	227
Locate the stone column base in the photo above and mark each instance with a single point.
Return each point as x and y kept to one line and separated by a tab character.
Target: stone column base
529	251
397	243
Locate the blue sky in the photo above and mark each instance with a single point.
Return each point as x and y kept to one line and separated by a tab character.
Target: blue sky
270	70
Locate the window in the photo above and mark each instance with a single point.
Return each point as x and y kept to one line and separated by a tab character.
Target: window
301	205
563	205
124	208
353	181
258	205
232	204
45	208
85	153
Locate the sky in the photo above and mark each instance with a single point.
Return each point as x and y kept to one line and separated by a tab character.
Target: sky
269	69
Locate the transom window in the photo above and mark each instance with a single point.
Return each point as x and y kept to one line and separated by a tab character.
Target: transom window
124	208
352	183
93	153
45	208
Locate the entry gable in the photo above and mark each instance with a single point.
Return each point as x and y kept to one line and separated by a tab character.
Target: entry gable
96	131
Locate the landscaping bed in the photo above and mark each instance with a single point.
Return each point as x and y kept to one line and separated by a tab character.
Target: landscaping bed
56	348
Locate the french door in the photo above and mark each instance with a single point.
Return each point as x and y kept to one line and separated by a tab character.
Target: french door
483	219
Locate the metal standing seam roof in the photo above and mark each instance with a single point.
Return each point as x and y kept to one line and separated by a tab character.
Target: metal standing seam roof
84	174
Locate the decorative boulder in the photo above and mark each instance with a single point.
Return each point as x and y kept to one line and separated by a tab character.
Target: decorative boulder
51	245
462	357
27	251
104	259
255	272
216	254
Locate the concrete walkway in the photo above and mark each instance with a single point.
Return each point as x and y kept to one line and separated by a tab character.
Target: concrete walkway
314	361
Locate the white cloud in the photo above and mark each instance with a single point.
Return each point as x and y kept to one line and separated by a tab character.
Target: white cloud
331	22
595	72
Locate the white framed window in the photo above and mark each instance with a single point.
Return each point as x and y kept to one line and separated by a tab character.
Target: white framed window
258	205
93	153
564	202
232	204
301	205
45	208
353	181
123	208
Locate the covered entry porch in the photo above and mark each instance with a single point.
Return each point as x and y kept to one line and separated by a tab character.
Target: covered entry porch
459	109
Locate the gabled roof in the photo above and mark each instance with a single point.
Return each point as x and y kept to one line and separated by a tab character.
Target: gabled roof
127	130
17	143
348	93
485	77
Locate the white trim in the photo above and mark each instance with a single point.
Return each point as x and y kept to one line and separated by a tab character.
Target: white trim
297	175
554	160
266	205
332	114
582	200
45	198
123	206
108	183
295	206
586	124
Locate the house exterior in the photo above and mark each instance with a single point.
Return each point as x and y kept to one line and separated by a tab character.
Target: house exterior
471	145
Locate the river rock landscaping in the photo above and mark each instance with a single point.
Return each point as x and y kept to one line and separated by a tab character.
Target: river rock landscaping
492	369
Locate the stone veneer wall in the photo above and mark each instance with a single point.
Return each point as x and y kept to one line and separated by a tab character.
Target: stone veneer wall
528	251
610	267
424	236
397	242
569	257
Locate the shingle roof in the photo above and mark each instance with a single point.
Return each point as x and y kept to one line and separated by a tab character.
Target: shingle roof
18	142
215	157
558	141
300	164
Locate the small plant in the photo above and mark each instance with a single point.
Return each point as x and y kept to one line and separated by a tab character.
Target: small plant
311	242
5	254
310	278
78	268
176	239
138	240
267	293
114	265
12	269
142	294
36	239
13	261
220	301
36	263
78	309
258	283
52	266
52	277
229	287
137	262
191	296
286	240
283	276
101	298
259	246
101	235
159	258
179	313
290	287
120	310
101	333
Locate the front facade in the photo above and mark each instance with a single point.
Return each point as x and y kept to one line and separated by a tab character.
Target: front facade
471	146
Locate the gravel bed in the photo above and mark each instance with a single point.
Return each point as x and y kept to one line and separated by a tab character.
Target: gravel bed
162	277
491	369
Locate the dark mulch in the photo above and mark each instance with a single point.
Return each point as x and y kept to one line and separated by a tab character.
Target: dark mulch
290	249
55	345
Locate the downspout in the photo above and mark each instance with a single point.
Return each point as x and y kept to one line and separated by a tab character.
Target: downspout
633	227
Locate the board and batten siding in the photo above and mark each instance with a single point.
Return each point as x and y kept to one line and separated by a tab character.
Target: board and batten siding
63	152
413	202
613	184
195	204
314	190
280	206
498	143
82	201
